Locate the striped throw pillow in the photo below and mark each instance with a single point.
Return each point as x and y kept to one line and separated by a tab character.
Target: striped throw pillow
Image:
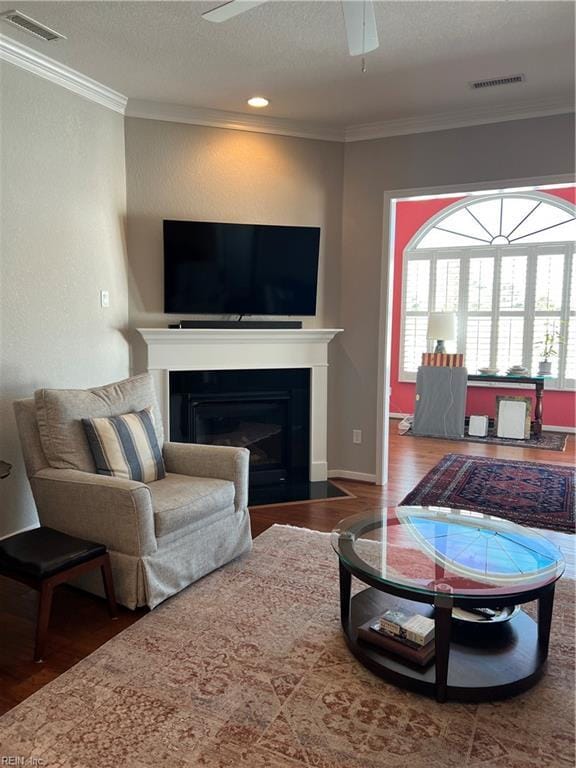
126	446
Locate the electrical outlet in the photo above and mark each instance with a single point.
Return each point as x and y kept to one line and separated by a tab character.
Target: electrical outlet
357	436
104	299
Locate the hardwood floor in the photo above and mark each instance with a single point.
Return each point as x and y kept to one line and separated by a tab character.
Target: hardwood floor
80	622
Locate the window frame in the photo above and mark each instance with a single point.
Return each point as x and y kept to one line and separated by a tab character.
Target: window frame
465	254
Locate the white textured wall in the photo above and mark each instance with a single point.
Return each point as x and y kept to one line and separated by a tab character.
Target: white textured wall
61	240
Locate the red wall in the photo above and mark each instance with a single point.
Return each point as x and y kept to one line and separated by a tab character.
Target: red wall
559	407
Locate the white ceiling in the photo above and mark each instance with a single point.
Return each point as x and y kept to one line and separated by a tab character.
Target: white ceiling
295	53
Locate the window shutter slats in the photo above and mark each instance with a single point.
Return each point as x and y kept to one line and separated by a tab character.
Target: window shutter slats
507	266
446	291
570	341
415	328
478	336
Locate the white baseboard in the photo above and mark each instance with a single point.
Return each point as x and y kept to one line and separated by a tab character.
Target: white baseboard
347	474
20	530
545	427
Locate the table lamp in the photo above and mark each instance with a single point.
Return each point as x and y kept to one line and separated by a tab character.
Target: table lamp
441	327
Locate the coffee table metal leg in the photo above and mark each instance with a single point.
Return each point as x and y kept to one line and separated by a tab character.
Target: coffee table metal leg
545	608
345	591
443	627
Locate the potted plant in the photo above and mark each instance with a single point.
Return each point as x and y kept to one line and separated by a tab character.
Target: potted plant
548	349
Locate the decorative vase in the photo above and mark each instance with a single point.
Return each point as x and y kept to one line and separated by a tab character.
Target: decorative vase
544	368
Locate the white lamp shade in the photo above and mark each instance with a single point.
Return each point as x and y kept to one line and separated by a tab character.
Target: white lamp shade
441	325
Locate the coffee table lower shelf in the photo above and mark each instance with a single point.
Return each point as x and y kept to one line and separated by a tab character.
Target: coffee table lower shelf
485	662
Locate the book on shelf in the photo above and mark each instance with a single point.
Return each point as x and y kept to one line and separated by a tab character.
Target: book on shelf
421	656
376	627
414	627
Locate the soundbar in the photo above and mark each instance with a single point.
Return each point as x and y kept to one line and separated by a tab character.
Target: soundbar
238	324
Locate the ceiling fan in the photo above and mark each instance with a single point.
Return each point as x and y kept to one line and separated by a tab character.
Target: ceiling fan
359	20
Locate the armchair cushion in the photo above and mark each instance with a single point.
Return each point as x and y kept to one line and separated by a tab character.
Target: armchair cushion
180	500
59	413
218	461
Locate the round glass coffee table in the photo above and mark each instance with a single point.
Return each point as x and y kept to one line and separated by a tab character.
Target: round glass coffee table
433	562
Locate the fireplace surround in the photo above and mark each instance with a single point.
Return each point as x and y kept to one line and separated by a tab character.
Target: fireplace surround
284	365
266	411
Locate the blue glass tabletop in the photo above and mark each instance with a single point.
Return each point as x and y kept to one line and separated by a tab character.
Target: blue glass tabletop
431	549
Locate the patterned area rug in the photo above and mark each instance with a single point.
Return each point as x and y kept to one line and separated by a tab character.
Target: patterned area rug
248	669
549	441
526	492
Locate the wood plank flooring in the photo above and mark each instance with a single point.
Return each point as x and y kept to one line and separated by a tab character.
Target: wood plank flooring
80	622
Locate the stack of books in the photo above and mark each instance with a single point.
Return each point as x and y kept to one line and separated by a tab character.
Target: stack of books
410	636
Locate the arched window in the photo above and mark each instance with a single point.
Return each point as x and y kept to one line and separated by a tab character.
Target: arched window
505	264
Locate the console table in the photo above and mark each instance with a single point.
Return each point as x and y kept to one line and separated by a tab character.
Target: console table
536	381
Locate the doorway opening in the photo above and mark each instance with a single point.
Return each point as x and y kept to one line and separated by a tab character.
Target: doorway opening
502	261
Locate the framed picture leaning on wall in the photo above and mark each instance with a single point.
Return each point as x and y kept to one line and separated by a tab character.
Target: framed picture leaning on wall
513	416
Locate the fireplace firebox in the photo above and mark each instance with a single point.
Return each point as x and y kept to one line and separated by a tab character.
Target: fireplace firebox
266	411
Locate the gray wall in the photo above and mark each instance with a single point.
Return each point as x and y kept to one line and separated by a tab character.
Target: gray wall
61	240
212	174
517	149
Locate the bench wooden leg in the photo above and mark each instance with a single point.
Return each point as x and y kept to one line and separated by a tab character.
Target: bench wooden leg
109	586
44	609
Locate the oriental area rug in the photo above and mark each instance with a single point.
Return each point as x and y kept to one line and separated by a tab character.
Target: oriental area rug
248	669
525	492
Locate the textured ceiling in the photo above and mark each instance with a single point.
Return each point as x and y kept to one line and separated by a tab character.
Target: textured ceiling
295	53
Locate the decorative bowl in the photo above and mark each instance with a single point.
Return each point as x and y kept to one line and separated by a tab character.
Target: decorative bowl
499	615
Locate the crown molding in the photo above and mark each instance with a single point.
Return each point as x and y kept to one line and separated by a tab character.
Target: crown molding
235	121
32	61
153	110
463	118
39	64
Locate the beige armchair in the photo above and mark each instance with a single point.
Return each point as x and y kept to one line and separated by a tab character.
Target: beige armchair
162	536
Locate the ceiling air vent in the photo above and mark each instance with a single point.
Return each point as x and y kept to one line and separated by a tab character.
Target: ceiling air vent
20	20
494	81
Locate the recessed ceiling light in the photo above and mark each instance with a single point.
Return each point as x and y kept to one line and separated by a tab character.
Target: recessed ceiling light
258	102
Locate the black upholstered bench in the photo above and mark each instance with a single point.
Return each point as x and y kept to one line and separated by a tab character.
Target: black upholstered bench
43	558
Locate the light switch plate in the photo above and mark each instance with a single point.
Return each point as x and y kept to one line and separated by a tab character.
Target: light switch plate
104	298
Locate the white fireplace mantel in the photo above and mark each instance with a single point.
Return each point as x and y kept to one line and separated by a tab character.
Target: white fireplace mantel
211	349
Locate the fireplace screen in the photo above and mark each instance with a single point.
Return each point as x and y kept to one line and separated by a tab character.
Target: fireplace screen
266	411
258	426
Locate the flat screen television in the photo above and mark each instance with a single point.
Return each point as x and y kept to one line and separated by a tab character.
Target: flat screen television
245	269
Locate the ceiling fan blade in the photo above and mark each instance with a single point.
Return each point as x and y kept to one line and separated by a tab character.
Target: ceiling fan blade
360	24
230	9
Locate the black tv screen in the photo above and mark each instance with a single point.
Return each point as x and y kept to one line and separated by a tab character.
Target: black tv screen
245	269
